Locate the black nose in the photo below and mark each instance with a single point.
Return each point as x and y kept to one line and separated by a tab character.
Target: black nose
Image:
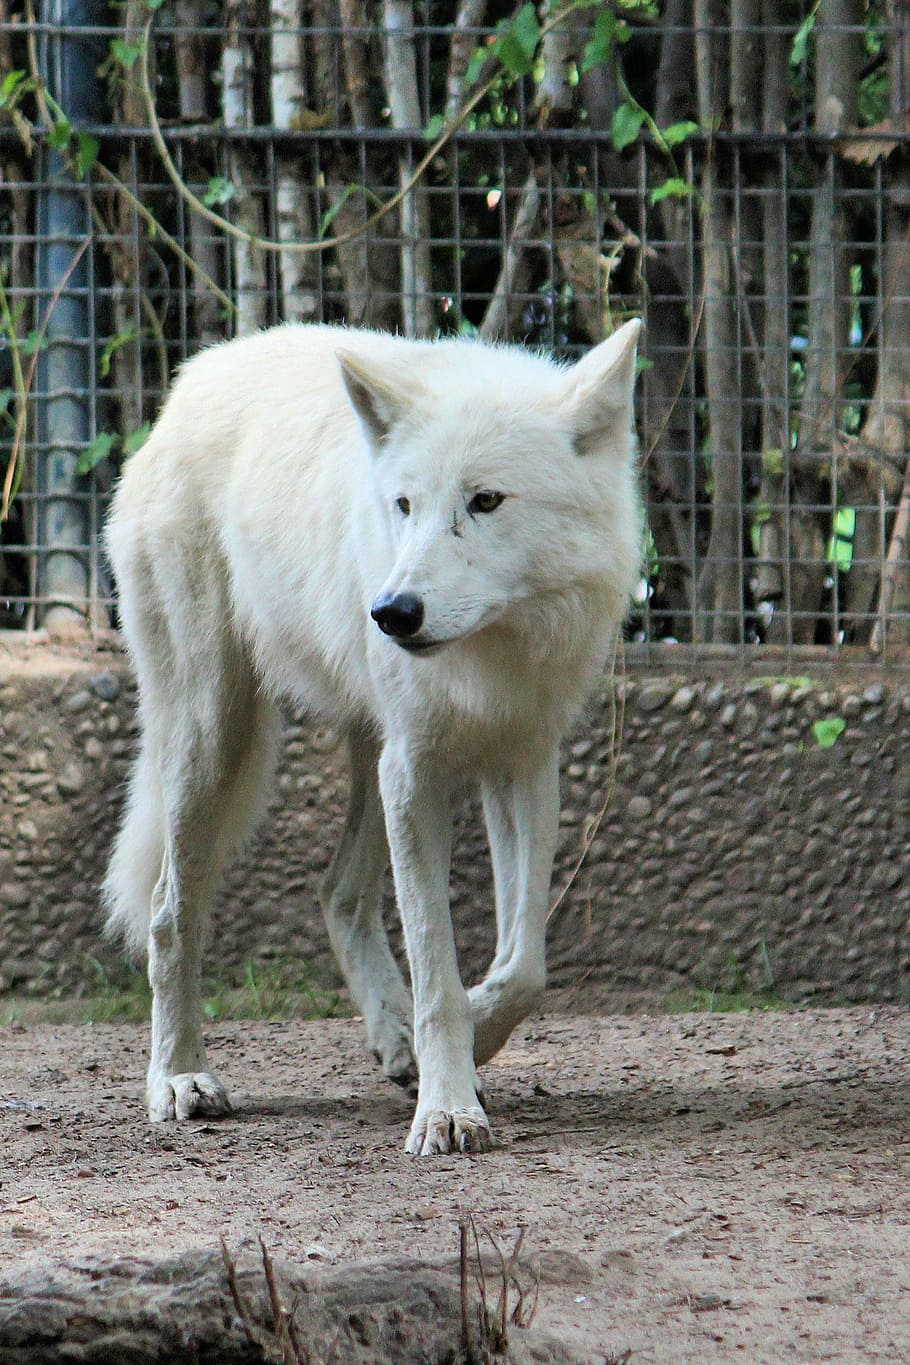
398	614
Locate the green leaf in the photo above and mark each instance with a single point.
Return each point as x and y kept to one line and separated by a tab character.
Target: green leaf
773	463
600	47
127	54
60	134
476	65
801	38
517	41
220	191
86	154
15	85
34	341
674	188
6	396
93	454
627	123
136	439
434	128
678	132
122	338
828	731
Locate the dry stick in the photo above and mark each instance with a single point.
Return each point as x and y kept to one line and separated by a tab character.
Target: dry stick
495	321
231	1271
19	433
895	562
285	1331
617	717
463	1283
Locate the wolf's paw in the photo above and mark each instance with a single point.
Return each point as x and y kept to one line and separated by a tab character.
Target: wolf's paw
398	1063
391	1041
190	1095
437	1132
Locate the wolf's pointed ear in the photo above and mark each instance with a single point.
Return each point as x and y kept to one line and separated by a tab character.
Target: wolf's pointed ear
599	388
379	398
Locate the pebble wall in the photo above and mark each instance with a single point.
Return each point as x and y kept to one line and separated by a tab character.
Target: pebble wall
735	850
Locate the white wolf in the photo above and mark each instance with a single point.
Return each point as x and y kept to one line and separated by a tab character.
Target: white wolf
431	546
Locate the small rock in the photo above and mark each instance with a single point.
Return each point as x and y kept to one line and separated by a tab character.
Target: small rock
639	808
873	695
79	701
14	894
71	779
106	686
683	700
653	696
728	716
27	829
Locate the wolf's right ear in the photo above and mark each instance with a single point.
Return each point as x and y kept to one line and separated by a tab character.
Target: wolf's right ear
378	398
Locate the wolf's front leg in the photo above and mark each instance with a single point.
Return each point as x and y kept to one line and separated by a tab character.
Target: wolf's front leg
522	815
449	1116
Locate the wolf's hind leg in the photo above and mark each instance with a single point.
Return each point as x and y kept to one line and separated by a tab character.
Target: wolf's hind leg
214	764
352	903
522	816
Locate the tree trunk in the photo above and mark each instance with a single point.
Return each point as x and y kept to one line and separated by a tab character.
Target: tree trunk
879	607
804	527
468	16
775	360
237	74
297	272
403	93
720	581
193	83
356	62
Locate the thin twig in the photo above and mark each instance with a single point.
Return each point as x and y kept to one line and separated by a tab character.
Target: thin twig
353	234
463	1284
617	718
231	1271
21	417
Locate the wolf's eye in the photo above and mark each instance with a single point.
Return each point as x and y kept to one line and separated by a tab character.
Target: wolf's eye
486	501
404	506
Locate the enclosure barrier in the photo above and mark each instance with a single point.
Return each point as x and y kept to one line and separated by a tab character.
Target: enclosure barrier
743	188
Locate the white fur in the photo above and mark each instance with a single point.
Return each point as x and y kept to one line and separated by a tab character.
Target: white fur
250	537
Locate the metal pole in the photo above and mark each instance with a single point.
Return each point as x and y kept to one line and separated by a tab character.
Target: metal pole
69	61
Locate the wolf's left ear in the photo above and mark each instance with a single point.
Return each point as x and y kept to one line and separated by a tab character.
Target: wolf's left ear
379	398
598	390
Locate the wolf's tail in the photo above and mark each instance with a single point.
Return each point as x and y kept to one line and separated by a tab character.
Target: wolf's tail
137	859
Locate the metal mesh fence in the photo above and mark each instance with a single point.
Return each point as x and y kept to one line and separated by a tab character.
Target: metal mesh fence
695	174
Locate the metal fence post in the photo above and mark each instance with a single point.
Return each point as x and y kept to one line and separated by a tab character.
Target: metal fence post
70	56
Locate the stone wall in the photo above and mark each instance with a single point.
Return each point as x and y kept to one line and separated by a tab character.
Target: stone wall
734	849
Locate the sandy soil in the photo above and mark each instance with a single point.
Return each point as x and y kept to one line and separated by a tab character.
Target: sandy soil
726	1187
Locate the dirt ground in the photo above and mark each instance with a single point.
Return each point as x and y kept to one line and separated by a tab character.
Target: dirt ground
715	1187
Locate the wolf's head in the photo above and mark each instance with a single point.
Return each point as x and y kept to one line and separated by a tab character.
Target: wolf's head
503	479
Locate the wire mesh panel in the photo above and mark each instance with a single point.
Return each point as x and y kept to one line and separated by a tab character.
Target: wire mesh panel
532	175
